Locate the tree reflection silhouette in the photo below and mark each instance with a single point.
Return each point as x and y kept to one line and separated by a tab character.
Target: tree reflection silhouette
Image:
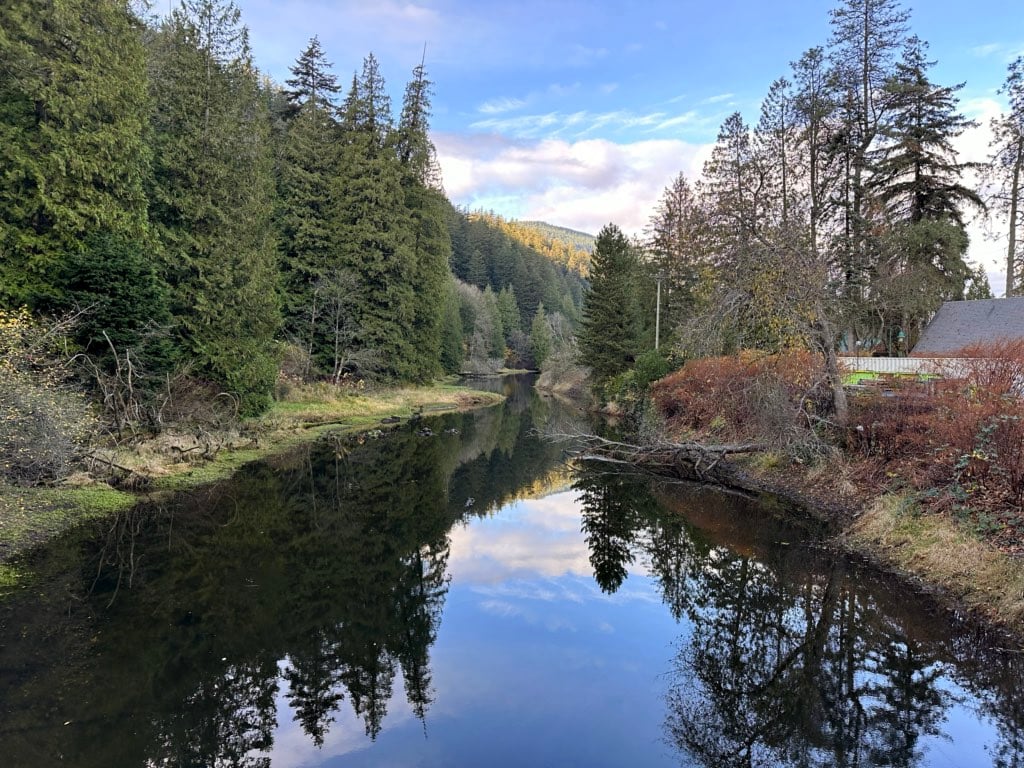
785	662
317	578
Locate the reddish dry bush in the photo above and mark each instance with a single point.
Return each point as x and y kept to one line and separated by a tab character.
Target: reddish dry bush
747	396
961	440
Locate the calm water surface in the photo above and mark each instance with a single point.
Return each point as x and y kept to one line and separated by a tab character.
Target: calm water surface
451	594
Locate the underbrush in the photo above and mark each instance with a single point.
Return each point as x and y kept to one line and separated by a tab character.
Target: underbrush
957	445
954	446
779	400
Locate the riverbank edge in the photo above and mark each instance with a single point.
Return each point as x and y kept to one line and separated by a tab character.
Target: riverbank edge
887	531
33	516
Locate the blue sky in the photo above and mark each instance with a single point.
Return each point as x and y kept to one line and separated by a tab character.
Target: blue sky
581	113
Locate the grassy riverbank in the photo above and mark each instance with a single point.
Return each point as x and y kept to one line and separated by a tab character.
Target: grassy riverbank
31	515
961	567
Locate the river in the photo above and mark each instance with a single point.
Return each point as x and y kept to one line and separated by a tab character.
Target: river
451	593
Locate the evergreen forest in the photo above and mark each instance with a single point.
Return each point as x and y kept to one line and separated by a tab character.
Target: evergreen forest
175	214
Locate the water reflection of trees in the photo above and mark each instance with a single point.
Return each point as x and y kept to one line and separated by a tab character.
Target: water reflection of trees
790	660
319	578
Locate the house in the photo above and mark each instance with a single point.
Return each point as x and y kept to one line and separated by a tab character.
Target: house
960	324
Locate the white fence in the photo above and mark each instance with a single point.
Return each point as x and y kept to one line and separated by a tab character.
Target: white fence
947	367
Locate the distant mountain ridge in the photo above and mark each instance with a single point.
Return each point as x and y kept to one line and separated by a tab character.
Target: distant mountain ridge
581	240
563	246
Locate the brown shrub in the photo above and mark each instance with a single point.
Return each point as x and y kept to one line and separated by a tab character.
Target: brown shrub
961	441
747	396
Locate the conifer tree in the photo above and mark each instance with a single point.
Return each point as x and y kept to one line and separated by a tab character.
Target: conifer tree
431	242
815	103
312	81
308	162
372	227
867	36
452	352
677	240
540	337
508	311
775	139
611	327
73	110
496	337
916	173
730	190
917	179
1005	173
213	196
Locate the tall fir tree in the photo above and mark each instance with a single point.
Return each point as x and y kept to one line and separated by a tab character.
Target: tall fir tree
916	173
312	81
867	36
431	241
815	103
677	241
372	226
540	337
731	191
917	180
307	167
610	334
73	111
213	197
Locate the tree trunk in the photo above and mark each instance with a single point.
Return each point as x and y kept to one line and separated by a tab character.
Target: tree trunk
1011	255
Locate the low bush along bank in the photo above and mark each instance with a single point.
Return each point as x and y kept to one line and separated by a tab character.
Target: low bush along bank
946	454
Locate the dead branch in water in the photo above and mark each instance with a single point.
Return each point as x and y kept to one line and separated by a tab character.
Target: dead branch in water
677	459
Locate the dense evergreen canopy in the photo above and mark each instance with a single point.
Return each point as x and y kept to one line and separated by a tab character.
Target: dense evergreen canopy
209	223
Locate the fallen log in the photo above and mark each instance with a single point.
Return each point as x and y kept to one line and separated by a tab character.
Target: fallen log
691	461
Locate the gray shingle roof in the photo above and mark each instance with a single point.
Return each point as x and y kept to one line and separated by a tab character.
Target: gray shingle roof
959	324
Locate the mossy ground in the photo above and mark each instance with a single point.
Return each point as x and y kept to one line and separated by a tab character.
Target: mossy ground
29	516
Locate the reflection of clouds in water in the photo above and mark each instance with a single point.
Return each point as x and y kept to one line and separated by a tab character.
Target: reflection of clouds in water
545	591
293	747
507	610
539	537
535	551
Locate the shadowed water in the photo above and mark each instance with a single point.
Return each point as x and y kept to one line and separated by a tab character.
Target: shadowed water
451	594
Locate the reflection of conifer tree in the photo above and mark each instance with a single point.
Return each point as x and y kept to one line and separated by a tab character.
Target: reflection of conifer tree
610	521
418	618
223	721
779	672
313	685
910	705
675	555
369	681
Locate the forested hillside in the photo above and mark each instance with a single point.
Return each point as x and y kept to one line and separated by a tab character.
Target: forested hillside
563	246
190	219
510	294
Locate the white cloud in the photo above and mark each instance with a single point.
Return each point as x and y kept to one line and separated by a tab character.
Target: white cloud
583	123
583	56
497	106
986	50
582	184
973	147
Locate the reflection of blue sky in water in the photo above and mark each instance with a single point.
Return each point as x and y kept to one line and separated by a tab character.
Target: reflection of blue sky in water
533	665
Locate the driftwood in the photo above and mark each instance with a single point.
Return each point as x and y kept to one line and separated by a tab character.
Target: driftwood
131	477
689	461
